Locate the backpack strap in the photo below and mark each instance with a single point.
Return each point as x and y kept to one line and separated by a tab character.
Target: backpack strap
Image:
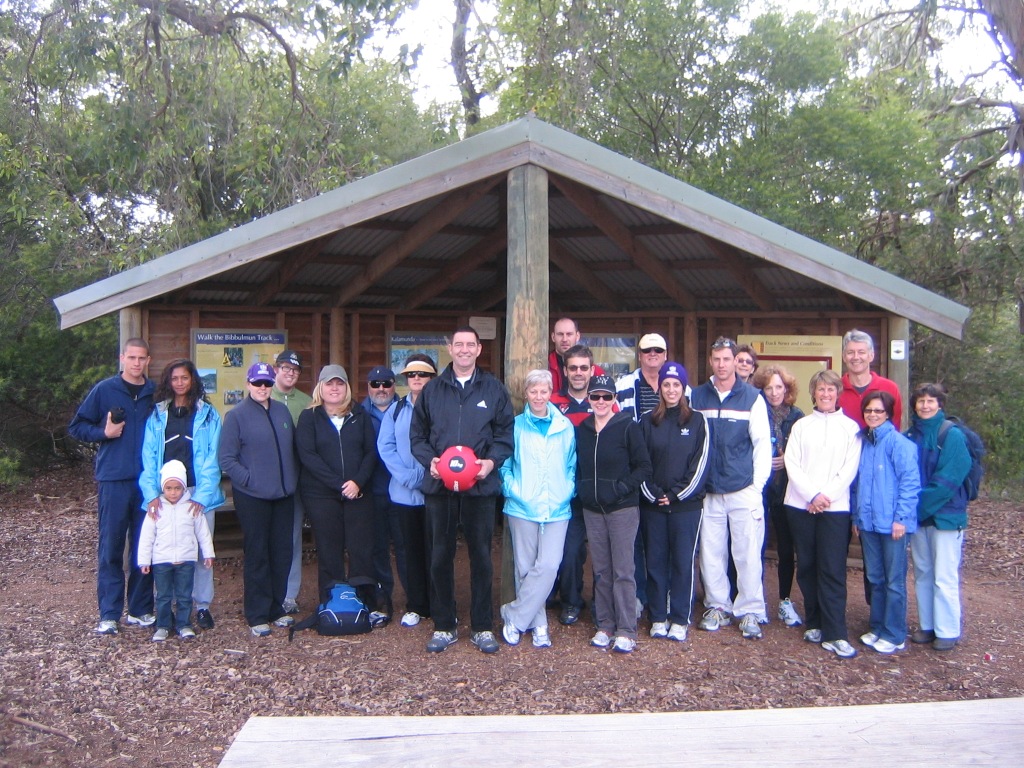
307	623
943	431
399	405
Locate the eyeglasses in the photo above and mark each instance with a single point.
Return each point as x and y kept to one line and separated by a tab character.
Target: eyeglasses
575	368
723	343
744	361
655	350
261	383
878	411
381	384
596	396
412	375
287	369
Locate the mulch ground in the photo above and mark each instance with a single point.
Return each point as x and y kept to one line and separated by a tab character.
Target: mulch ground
68	697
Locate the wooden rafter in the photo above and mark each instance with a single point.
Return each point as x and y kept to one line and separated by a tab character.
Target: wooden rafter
477	255
584	276
286	270
742	273
429	224
590	205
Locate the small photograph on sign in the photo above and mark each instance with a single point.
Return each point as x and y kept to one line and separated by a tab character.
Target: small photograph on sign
209	378
233	357
233	396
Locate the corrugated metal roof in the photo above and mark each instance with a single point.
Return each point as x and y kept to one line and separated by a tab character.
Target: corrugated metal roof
342	233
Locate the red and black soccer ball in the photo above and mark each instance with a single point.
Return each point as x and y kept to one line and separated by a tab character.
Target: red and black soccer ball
458	468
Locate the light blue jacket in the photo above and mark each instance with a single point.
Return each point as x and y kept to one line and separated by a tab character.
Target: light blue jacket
394	450
888	482
205	463
539	479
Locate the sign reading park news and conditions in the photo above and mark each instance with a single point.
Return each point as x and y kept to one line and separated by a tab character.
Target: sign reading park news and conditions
223	357
802	356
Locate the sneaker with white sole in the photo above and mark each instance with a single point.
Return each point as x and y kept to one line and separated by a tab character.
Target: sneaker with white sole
869	639
106	627
541	638
411	619
145	620
260	630
883	646
750	628
441	640
187	633
601	639
624	644
788	614
160	635
659	629
840	648
485	641
509	631
812	635
678	632
714	618
379	619
284	621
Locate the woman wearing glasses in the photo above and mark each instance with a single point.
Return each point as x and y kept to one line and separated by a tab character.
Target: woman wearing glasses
337	448
257	453
404	488
672	502
746	362
612	462
888	484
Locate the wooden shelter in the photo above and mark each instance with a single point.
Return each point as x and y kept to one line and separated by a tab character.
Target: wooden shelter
523	224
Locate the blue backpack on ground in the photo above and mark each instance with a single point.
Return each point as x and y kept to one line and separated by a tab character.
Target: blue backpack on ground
975	446
341	613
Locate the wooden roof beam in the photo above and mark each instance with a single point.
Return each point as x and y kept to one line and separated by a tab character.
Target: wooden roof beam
286	270
442	214
742	274
584	276
590	205
477	255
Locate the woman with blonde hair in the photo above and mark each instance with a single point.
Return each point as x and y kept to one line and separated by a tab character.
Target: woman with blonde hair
822	460
337	448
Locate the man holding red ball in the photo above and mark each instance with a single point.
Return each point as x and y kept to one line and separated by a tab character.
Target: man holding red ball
463	406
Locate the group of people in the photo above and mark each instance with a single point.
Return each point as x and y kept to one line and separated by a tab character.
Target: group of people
644	473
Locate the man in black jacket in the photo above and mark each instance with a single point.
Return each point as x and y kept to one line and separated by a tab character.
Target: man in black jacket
470	407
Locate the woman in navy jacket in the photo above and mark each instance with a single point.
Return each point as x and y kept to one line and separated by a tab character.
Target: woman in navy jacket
337	447
672	502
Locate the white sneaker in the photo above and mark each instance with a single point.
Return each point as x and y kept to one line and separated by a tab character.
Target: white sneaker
659	629
788	614
869	639
884	646
840	648
411	619
678	632
260	630
812	635
601	639
624	644
749	627
541	638
284	621
714	618
160	635
145	620
187	633
509	631
106	627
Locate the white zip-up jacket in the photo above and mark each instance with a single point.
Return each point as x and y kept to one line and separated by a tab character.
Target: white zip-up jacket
174	537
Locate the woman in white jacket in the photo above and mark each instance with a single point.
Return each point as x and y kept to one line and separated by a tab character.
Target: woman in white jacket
538	482
821	460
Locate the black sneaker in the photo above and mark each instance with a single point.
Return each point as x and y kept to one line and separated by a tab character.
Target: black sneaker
204	619
569	615
484	641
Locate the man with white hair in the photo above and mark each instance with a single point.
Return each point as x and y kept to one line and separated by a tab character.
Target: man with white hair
859	379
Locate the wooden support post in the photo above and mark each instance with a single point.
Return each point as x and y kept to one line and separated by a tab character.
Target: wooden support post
336	336
898	370
526	329
692	353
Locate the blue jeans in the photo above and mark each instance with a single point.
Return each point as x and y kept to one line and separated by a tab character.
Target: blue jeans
120	518
173	587
885	564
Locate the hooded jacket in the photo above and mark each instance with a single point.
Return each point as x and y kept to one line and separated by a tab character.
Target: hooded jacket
478	415
888	482
610	464
539	479
175	536
205	462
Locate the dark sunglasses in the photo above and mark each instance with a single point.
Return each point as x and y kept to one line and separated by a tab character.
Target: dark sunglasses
580	368
656	350
596	396
381	384
418	375
262	383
